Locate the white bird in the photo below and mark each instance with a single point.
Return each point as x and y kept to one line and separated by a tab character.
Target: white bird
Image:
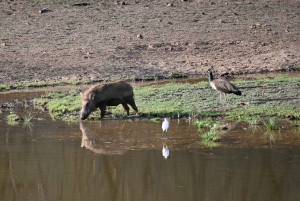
165	152
165	125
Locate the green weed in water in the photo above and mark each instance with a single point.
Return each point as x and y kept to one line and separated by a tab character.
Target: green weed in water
210	136
156	119
12	117
205	123
271	123
27	117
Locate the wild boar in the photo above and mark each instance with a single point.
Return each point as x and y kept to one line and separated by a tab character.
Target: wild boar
110	94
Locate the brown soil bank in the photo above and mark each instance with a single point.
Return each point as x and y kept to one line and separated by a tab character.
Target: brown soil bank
68	40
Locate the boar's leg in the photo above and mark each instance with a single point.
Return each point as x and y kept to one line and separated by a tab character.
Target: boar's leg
102	108
125	106
131	102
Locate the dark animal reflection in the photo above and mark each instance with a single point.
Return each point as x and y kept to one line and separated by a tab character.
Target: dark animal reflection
97	146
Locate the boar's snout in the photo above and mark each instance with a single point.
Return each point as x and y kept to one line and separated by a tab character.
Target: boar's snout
83	115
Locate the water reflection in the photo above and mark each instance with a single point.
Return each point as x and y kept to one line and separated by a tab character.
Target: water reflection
165	151
271	136
98	146
127	160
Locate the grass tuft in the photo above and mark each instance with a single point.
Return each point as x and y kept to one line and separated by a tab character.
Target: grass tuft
205	123
271	123
210	136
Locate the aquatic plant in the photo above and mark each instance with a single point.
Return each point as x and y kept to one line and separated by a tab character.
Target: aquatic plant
156	119
27	117
210	144
271	123
295	123
205	123
271	136
12	117
210	136
27	124
252	120
219	126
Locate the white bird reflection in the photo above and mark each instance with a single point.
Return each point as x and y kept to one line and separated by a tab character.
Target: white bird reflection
100	147
165	151
165	126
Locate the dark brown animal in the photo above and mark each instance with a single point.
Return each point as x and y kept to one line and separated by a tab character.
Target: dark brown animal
102	95
222	85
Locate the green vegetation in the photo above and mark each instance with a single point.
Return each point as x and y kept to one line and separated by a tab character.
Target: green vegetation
62	105
27	124
264	98
24	85
13	119
205	123
271	123
210	136
156	119
27	117
295	123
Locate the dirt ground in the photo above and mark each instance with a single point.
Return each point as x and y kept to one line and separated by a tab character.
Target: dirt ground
145	39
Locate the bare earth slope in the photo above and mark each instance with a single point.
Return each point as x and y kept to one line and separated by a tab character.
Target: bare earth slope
144	38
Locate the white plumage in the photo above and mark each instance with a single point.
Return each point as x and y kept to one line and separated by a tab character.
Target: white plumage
165	125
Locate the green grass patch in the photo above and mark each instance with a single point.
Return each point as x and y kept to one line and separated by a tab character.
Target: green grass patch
210	136
12	117
271	123
156	119
205	123
264	97
62	105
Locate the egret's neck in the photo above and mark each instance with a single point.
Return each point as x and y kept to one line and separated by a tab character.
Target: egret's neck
210	77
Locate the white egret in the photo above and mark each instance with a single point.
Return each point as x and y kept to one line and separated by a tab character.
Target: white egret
165	126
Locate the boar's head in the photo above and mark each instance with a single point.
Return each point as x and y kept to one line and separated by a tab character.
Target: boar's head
87	104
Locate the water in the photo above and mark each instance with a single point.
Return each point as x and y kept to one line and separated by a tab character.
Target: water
123	160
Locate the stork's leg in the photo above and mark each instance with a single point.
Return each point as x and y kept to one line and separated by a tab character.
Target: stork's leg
225	97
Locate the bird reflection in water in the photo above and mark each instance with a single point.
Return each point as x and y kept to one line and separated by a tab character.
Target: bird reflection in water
165	151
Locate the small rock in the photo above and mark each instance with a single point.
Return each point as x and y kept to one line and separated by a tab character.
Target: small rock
44	11
139	36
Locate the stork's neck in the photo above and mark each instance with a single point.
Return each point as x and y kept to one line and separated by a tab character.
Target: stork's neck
210	77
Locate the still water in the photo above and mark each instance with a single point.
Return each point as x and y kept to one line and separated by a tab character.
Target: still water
127	160
123	160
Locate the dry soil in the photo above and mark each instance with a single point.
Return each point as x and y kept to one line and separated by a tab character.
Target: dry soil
56	40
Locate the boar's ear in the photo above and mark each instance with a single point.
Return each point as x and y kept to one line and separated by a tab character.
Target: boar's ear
93	95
